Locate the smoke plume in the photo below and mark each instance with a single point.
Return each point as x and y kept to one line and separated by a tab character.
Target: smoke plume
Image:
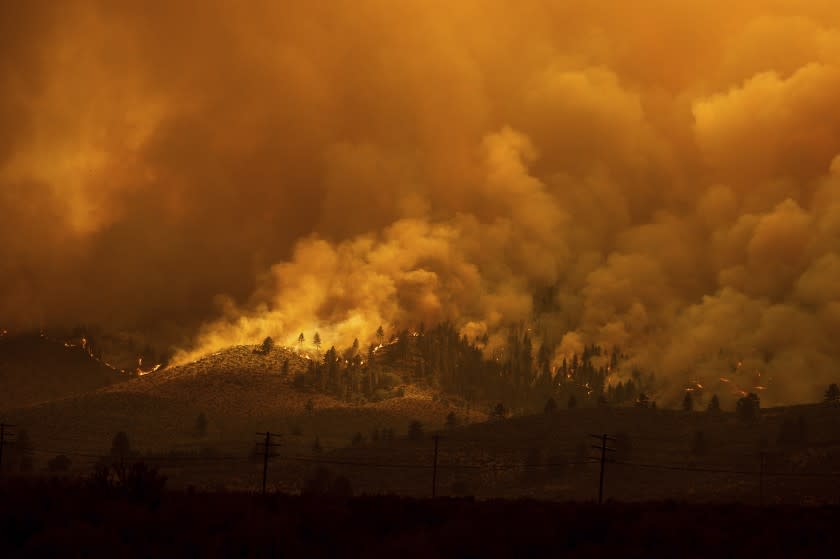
660	176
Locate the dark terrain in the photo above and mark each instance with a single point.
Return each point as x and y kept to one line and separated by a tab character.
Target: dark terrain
50	519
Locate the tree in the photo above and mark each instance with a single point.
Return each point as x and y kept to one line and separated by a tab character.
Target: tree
748	407
285	369
267	345
120	447
316	340
301	339
642	401
688	402
714	404
572	403
832	395
201	425
499	412
380	334
415	431
550	406
451	420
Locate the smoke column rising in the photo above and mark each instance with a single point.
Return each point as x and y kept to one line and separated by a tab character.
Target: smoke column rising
210	173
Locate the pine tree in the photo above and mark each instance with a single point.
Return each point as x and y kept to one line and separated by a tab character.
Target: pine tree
267	345
301	339
499	412
380	334
832	395
451	420
714	404
688	402
316	341
748	407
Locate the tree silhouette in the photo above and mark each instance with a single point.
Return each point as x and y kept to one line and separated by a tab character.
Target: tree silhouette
316	340
310	406
832	395
301	339
499	411
688	402
550	406
714	404
380	334
267	345
572	403
748	407
642	401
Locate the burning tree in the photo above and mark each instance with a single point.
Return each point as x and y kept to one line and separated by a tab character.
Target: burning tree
316	341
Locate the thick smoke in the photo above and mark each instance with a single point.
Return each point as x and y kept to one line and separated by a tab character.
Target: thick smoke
656	175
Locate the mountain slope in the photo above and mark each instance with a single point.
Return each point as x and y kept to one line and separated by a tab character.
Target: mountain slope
35	369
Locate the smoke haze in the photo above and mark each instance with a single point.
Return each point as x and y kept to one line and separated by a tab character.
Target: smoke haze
656	175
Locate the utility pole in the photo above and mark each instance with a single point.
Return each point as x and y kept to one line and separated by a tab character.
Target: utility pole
434	469
3	441
267	446
603	448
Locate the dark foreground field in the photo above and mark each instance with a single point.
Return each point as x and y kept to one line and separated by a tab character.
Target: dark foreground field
71	520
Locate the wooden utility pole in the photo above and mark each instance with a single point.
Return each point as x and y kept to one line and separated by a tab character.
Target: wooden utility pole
434	469
3	427
603	448
267	446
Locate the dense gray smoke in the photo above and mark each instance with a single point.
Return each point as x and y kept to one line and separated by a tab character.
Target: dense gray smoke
665	175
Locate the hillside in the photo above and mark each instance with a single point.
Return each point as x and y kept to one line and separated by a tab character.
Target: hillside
35	369
240	390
